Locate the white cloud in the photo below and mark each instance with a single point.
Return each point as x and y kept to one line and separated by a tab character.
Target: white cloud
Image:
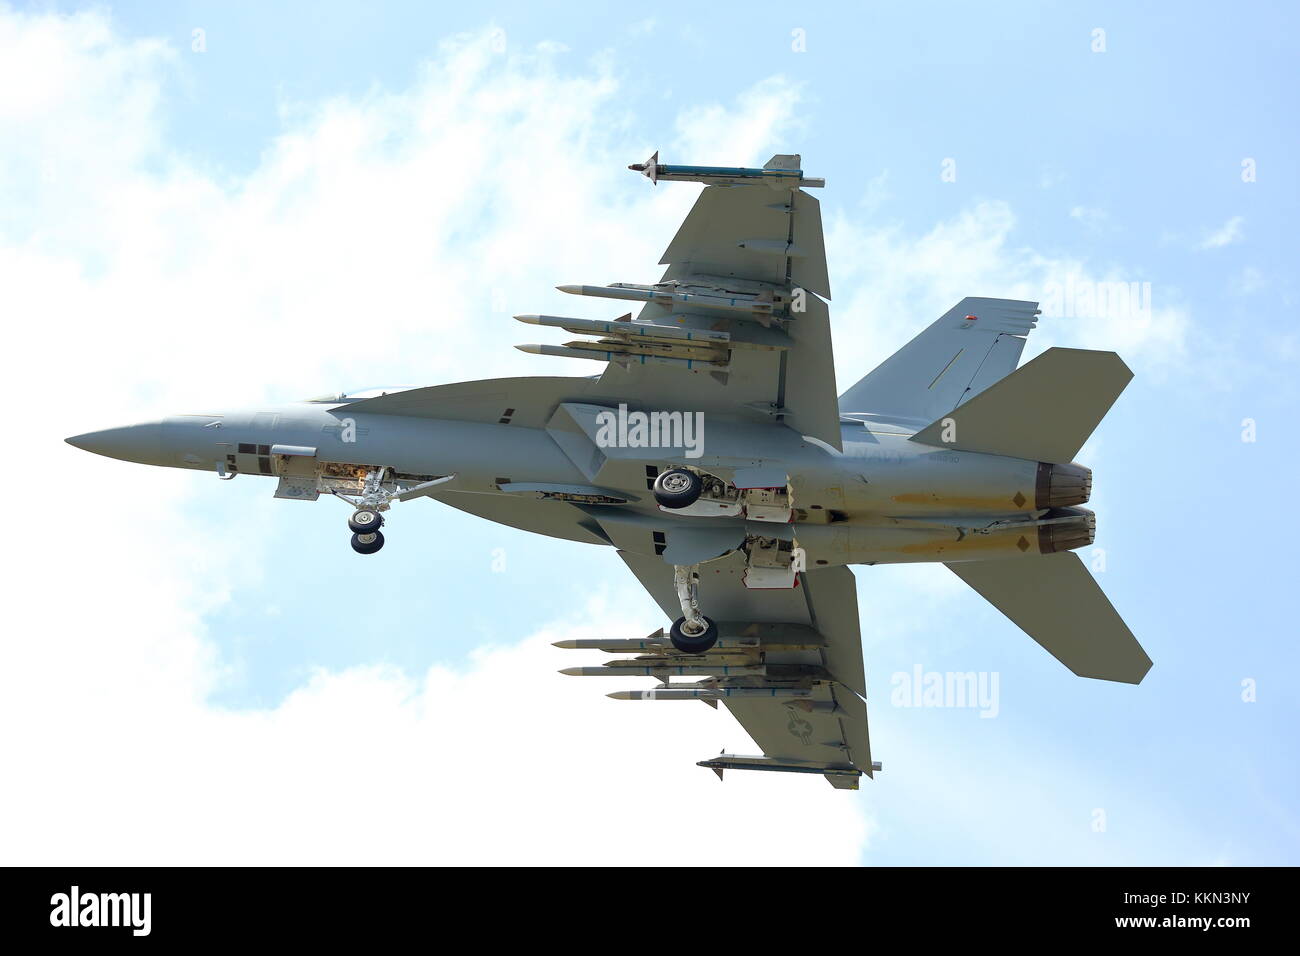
368	242
1091	217
718	135
876	194
1225	235
386	238
1249	281
897	282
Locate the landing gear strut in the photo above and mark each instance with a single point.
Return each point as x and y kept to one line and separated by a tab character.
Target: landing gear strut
692	633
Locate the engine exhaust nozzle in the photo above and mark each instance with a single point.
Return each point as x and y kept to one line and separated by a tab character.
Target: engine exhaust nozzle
1059	486
1065	529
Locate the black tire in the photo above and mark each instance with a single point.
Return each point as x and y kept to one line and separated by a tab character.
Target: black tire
678	488
365	521
693	644
361	546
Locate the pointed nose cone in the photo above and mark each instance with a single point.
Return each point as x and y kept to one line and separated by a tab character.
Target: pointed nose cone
139	443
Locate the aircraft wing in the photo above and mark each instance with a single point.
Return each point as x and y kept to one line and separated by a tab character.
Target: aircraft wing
737	327
803	705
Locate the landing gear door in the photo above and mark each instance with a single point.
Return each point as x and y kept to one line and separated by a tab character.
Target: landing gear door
296	465
766	493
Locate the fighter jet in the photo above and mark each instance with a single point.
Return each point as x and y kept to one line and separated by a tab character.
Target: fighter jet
714	453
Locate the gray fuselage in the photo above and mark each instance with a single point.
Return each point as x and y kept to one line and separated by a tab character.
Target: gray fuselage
883	499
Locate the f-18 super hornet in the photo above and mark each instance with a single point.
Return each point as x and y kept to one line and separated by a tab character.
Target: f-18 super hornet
714	454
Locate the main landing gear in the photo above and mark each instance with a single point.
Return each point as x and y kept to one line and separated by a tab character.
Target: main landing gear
678	488
692	633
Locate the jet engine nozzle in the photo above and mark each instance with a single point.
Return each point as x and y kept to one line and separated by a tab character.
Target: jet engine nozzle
1064	529
1059	486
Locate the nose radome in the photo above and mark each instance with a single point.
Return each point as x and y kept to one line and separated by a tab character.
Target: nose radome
139	443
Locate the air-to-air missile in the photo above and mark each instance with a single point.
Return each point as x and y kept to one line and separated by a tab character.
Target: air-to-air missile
709	693
624	355
624	327
626	342
669	295
735	667
777	176
788	638
635	669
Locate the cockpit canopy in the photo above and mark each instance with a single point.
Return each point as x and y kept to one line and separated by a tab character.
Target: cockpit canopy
359	394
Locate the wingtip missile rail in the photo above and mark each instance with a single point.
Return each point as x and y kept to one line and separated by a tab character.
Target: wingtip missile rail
840	777
738	762
784	176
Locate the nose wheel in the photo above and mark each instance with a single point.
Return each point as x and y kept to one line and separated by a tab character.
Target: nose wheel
365	521
366	536
368	543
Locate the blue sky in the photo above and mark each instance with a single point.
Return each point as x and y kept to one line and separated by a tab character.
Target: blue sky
1123	165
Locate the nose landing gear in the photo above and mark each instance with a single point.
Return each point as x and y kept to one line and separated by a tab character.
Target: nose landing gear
379	489
367	519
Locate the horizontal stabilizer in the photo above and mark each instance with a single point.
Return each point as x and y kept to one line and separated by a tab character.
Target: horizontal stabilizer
1055	601
1044	411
